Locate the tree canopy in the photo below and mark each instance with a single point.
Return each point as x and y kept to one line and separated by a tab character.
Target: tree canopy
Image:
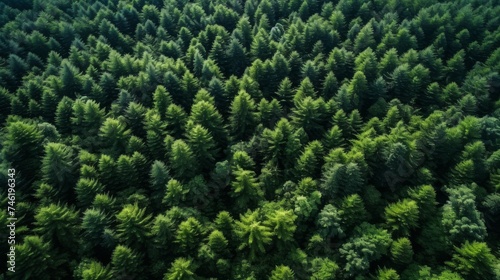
252	139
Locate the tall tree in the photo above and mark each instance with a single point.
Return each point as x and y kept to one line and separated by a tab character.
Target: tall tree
252	234
243	118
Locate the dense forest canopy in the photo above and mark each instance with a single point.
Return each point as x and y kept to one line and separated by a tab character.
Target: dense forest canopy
251	139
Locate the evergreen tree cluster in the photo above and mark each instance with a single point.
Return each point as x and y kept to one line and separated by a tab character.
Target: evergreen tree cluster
256	139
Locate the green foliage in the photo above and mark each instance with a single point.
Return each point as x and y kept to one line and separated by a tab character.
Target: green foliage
343	179
329	221
96	229
367	244
474	260
282	224
38	259
182	160
133	226
86	190
182	269
402	251
323	268
126	263
243	118
387	274
252	234
202	145
22	146
59	225
246	191
206	115
401	217
58	167
188	235
461	217
282	273
352	210
134	131
95	271
114	135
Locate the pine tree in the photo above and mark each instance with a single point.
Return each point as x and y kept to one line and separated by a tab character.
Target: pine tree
342	179
324	268
189	87
310	161
282	222
218	243
175	194
182	269
17	67
133	226
114	135
38	259
455	68
352	211
22	147
261	47
159	175
364	39
206	115
282	272
126	263
189	235
86	190
218	54
162	100
309	115
203	146
49	105
401	84
461	218
402	251
306	89
246	191
367	244
387	274
243	118
176	119
329	222
330	86
402	216
252	234
285	94
237	60
358	89
182	160
473	260
95	270
70	78
59	225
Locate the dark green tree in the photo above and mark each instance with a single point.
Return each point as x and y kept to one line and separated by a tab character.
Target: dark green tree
59	225
243	118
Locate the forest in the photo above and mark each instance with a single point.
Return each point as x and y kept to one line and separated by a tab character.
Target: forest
250	139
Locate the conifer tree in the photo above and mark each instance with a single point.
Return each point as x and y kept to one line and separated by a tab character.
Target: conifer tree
473	260
252	234
126	263
133	228
22	146
59	225
243	118
182	160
